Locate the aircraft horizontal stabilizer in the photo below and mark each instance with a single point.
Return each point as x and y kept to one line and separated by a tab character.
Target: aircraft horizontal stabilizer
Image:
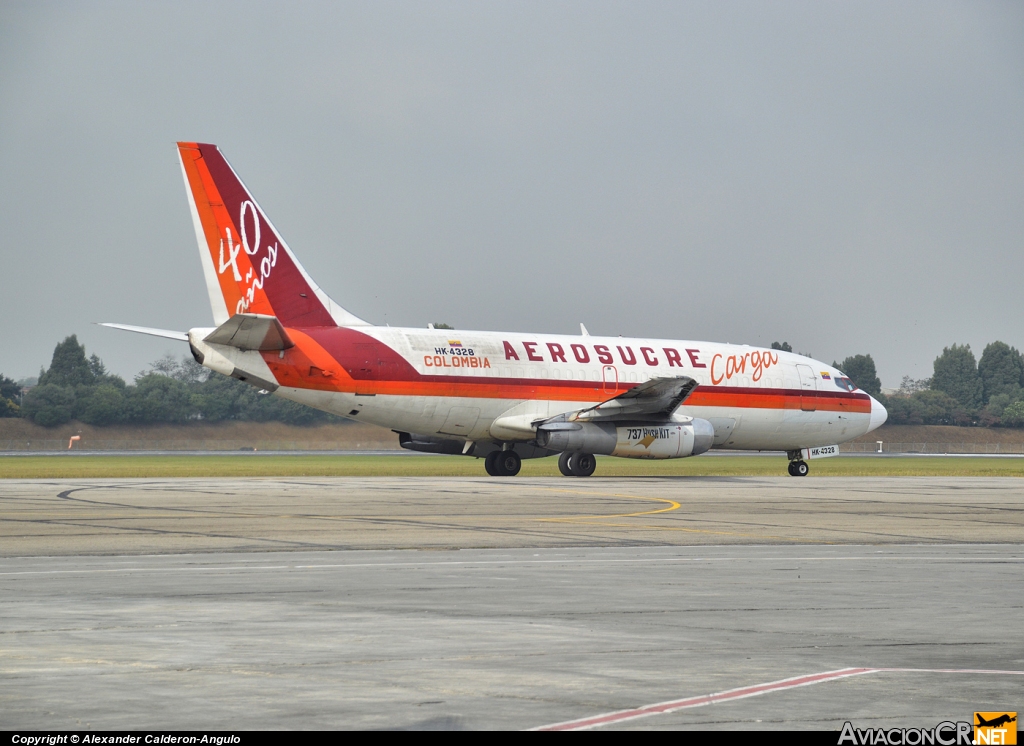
167	333
251	331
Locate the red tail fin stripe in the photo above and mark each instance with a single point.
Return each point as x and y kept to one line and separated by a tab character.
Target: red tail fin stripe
254	268
219	229
275	277
205	225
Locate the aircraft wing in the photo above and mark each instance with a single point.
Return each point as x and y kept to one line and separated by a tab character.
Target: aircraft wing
655	399
251	331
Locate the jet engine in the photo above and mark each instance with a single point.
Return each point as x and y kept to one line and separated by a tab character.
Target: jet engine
640	440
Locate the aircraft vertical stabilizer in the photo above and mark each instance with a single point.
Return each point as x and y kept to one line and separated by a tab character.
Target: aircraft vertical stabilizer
247	264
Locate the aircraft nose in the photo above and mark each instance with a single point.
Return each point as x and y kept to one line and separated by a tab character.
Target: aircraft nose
878	415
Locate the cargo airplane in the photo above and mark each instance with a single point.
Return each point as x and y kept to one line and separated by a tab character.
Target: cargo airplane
497	396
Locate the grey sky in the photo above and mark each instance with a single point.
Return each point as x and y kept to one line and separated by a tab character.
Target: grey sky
845	176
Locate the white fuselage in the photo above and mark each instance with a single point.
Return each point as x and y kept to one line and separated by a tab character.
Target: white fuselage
488	386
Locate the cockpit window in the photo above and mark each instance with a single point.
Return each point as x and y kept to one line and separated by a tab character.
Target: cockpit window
845	383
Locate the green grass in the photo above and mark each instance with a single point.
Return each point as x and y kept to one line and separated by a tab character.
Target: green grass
78	467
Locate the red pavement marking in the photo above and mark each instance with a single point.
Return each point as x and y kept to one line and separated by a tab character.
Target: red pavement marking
994	671
707	699
662	708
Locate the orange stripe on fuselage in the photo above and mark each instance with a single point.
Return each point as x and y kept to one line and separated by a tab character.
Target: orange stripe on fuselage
754	398
309	365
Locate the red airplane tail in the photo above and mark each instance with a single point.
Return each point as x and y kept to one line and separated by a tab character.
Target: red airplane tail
247	264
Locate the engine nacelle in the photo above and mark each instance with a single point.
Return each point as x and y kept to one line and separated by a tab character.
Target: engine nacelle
641	440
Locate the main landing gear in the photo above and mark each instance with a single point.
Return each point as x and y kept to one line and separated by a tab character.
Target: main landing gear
503	463
508	464
798	468
577	464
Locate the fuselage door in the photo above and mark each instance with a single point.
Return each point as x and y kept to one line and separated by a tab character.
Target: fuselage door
808	388
610	374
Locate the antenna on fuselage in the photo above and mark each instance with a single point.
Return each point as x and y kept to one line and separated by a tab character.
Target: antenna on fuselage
583	330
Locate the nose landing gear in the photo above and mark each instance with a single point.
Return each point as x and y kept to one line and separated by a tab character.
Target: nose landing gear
798	468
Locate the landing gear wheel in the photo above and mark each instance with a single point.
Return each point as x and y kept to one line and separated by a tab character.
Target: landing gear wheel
507	463
490	463
582	464
798	468
563	464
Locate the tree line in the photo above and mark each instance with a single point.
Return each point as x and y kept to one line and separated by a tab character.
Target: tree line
961	391
76	387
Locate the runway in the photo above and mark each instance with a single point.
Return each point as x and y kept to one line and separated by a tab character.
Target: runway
434	603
